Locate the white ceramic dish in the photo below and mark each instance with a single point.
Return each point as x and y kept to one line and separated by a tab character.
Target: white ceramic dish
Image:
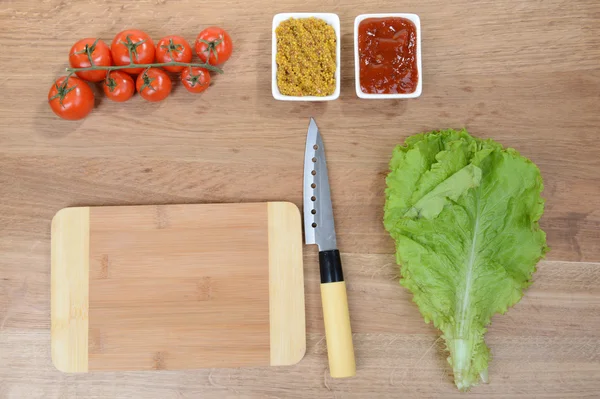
412	17
331	19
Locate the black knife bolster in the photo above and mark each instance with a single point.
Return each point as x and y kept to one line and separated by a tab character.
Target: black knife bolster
330	265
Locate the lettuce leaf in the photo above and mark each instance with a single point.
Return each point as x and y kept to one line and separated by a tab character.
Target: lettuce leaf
464	215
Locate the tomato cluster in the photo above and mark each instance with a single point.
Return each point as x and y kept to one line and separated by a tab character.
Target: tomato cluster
115	68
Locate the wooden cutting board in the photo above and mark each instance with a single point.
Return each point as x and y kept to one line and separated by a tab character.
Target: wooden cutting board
177	287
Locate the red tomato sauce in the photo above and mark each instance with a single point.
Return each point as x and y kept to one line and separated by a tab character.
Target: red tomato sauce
387	50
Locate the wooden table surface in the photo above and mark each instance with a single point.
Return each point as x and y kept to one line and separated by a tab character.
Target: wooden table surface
526	73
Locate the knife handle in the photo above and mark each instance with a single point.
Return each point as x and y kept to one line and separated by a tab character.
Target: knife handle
338	334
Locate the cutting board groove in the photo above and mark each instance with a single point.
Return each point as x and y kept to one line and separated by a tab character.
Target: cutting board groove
177	287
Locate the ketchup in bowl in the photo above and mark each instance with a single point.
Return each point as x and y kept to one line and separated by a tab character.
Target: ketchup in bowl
388	56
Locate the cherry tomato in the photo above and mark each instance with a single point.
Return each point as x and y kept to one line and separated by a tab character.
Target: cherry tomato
214	44
119	86
173	48
153	84
71	98
141	46
195	79
83	50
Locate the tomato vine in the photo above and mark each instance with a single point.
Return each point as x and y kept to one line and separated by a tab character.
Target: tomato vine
133	62
205	65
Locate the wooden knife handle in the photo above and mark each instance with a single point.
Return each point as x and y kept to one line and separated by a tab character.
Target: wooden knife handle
340	349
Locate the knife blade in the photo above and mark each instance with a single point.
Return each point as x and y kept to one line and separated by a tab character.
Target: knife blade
319	229
318	225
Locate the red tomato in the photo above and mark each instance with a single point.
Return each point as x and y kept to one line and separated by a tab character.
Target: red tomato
173	48
86	49
214	44
71	99
119	86
153	84
141	46
195	79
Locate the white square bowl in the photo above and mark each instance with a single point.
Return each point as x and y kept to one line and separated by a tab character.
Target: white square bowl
331	19
415	20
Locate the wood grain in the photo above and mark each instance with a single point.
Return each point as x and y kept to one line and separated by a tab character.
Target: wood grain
287	321
523	72
70	289
177	287
211	261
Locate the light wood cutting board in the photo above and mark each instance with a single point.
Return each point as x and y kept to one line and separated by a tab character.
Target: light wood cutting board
177	287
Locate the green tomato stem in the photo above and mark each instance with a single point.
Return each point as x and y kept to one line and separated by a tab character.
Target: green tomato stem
156	65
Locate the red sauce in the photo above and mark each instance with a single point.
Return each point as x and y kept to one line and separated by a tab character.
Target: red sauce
387	50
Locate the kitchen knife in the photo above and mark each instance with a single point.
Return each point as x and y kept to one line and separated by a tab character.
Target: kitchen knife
319	229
